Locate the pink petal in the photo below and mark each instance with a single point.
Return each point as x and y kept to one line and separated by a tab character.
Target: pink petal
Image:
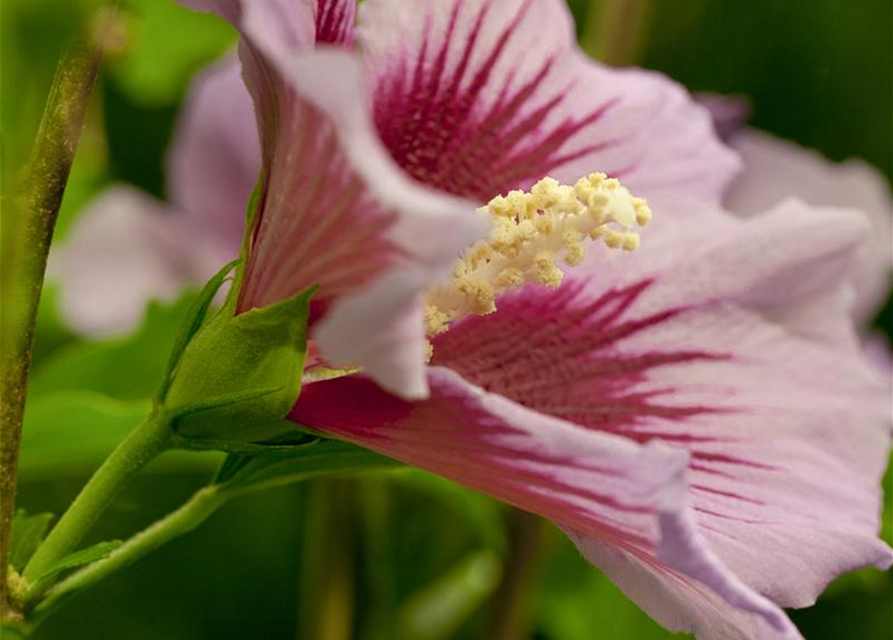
677	602
694	341
214	161
338	213
126	249
729	113
335	210
477	97
288	24
609	488
775	169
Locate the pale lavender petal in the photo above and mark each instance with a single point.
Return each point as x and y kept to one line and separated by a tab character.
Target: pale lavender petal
776	169
610	488
676	601
695	342
214	161
337	212
729	113
287	24
879	353
478	97
126	249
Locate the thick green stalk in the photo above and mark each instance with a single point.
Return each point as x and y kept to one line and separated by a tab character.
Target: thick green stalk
616	30
29	217
144	443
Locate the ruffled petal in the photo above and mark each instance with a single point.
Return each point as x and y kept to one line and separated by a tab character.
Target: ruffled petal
694	340
336	212
729	113
126	249
676	601
609	488
477	97
775	169
214	161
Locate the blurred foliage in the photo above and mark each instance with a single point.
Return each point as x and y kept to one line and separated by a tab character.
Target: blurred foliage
818	72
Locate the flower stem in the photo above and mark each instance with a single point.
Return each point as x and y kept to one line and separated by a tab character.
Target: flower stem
29	218
510	607
198	509
326	596
143	444
616	30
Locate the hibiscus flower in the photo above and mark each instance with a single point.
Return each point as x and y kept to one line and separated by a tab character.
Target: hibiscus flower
696	415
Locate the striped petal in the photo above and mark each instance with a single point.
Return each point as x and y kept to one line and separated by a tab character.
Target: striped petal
477	97
599	486
738	348
336	212
695	344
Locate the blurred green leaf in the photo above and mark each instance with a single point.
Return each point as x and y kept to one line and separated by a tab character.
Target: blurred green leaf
168	44
441	607
71	432
130	367
68	434
27	533
34	34
575	601
476	510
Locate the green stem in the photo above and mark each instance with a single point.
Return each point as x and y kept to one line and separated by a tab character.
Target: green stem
143	444
198	509
511	603
28	222
377	542
326	597
616	30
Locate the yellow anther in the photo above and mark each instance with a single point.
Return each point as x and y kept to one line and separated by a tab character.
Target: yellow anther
532	233
509	278
574	252
436	321
544	270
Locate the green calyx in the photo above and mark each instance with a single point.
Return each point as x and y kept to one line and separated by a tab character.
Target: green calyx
235	377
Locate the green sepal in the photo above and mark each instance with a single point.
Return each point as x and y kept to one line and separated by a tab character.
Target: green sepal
281	466
241	448
239	376
193	321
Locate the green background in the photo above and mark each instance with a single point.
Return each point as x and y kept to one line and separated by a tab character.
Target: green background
423	557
